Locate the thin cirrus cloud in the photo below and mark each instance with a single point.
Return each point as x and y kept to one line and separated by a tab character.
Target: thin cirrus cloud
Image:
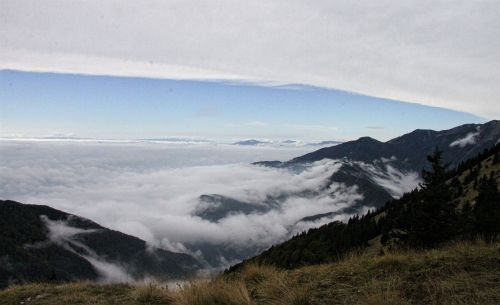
437	53
312	127
256	124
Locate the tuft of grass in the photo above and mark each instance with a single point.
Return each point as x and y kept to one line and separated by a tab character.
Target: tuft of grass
377	292
271	286
279	292
253	274
153	295
215	292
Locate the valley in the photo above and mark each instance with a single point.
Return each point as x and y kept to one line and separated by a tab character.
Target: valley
320	189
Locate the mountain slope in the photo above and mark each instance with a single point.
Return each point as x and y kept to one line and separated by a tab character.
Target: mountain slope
391	224
39	243
365	174
368	162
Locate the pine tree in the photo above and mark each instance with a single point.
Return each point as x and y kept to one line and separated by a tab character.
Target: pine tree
487	209
496	159
467	225
437	176
437	205
457	187
430	218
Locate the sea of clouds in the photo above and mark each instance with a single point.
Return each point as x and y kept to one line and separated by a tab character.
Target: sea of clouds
151	190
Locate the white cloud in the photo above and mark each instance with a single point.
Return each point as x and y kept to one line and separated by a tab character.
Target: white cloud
61	233
439	53
469	139
60	135
390	178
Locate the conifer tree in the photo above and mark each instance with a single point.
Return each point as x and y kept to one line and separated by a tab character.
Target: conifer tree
430	218
487	209
467	222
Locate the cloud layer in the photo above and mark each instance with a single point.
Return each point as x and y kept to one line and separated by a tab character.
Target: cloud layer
152	190
437	53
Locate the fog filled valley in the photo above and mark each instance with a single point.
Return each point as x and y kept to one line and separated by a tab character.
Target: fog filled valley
205	200
218	204
178	214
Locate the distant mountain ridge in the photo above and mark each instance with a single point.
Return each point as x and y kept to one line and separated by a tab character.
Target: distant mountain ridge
251	142
285	143
75	249
411	149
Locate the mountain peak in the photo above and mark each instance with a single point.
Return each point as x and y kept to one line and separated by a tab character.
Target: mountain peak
367	140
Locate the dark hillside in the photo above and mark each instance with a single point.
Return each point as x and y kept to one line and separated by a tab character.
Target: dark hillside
28	254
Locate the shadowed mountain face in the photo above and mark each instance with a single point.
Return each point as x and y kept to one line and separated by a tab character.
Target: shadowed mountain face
39	243
216	207
410	150
373	193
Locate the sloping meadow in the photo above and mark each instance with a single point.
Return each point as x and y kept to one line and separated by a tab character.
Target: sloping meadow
459	273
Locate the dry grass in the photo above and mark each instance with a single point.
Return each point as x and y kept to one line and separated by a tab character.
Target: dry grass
462	273
76	293
153	295
459	274
270	286
216	292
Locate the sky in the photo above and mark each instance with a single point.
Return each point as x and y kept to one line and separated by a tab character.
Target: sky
239	69
440	53
105	107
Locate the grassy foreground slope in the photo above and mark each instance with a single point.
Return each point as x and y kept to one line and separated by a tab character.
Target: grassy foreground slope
459	273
